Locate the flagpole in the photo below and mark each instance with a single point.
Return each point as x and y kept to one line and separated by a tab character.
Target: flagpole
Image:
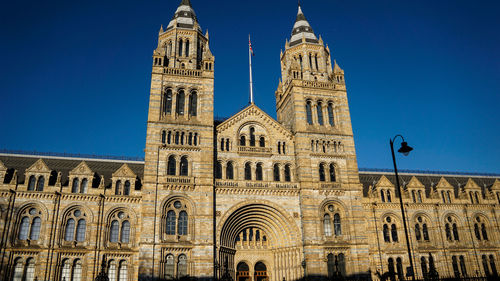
250	61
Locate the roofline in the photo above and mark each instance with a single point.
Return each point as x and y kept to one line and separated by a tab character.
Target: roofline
69	156
428	173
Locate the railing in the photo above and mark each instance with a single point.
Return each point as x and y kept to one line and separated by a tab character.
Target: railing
254	149
321	85
182	180
255	184
330	185
182	72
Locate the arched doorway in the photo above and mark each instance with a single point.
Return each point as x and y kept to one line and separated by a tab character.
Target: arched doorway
242	272
260	272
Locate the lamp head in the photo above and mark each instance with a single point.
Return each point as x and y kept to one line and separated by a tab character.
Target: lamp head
405	149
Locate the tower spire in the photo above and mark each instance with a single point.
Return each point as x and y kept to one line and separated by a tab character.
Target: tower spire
184	17
301	29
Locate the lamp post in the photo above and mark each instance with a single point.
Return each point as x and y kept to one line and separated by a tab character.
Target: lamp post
405	150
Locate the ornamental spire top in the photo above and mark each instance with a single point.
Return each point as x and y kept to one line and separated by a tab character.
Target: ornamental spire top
184	17
302	30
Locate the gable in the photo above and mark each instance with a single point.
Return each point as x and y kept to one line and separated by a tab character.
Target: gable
38	167
443	184
81	169
496	185
471	184
124	172
415	183
384	182
2	167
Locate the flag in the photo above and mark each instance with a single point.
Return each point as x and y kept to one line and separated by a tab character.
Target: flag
250	46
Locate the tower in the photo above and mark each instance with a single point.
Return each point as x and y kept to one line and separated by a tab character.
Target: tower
311	101
178	179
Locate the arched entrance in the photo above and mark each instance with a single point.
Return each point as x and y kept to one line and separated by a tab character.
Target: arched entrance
260	272
262	237
242	272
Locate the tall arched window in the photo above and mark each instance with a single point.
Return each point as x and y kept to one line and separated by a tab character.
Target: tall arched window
389	197
169	267
394	233
30	224
389	226
193	104
319	109
171	221
252	136
182	266
184	166
35	228
77	270
333	177
126	188
462	266
480	229
229	171
493	266
40	184
18	270
66	270
485	265
327	225
451	229
70	230
330	265
30	269
167	102
84	187
421	229
248	171
183	223
387	237
454	263
118	187
382	195
243	141
32	183
322	172
309	112
218	170
112	270
180	47
399	268
179	107
258	172
119	230
276	172
331	120
114	232
80	230
125	235
187	48
423	266
262	142
24	228
337	226
75	188
287	173
171	166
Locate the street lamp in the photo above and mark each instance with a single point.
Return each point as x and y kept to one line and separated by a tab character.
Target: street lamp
405	150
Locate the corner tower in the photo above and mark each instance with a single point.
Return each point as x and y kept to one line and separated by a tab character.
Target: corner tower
311	101
178	178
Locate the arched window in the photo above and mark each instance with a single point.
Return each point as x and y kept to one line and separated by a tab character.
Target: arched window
413	196
167	102
419	193
451	229
327	225
114	231
177	137
123	271
171	220
32	183
252	136
485	265
322	172
287	173
319	109
125	235
77	270
309	112
262	142
333	178
418	234
66	270
387	237
182	266
75	188
330	265
171	166
112	270
243	141
425	231
394	233
382	195
337	225
35	229
389	199
258	172
169	267
462	266
193	104
399	267
218	170
423	266
476	196
480	229
229	171
179	107
248	172
80	230
448	196
184	166
24	228
421	230
183	223
30	269
126	188
187	48
169	137
30	224
70	230
180	47
493	266
454	263
330	115
40	184
18	270
118	187
84	187
276	172
390	265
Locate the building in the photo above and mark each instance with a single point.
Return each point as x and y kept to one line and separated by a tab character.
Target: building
250	196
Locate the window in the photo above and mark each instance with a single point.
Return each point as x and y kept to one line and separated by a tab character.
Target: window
77	271
332	212
389	199
454	263
333	178
336	265
118	187
171	220
480	229
30	224
83	188
248	172
119	230
70	230
183	223
169	267
337	225
242	141
421	229
493	266
171	166
252	136
309	113
419	193
319	109
399	267
287	173
66	270
330	115
182	266
31	183
75	188
448	196
80	230
276	172
390	230
485	265
180	102
423	266
382	195
122	271
322	172
180	47
184	166
262	142
167	102
76	226
218	170
177	219
193	104
40	184
71	271
187	48
18	270
327	225
229	171
462	266
112	270
126	188
451	229
394	233
413	197
258	172
30	269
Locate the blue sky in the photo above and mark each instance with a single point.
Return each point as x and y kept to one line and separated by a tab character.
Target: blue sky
75	75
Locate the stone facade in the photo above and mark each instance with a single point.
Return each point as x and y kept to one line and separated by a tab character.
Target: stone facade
250	196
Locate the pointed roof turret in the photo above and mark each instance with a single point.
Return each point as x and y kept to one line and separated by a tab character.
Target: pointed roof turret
302	29
184	17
